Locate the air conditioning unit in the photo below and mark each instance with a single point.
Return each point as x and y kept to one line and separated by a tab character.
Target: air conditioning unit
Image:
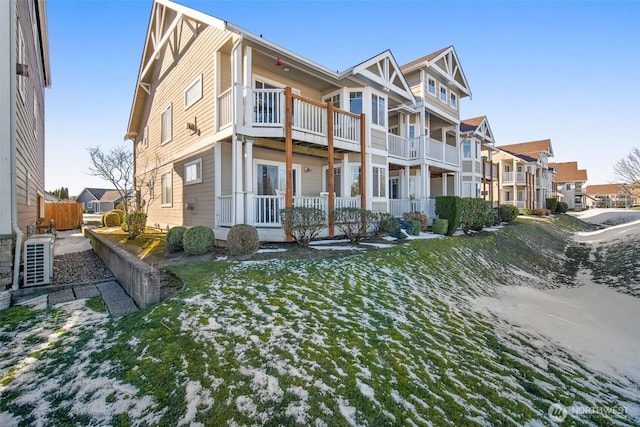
38	260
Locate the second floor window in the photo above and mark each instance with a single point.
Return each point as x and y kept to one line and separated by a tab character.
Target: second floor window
165	125
568	186
443	94
378	110
334	99
431	86
355	102
466	149
379	182
193	92
454	100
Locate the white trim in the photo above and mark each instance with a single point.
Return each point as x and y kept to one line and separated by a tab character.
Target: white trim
385	114
196	83
382	183
36	108
435	86
198	178
162	189
169	137
145	136
446	93
277	84
453	100
296	166
22	59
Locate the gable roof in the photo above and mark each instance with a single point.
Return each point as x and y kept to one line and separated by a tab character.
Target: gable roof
522	157
568	172
478	126
531	148
111	196
604	189
383	70
95	192
166	15
446	63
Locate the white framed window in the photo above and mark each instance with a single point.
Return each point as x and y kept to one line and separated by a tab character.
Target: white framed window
151	183
145	137
453	100
337	180
354	183
167	190
271	178
355	102
567	186
22	59
193	92
193	172
431	85
443	94
478	149
166	122
334	99
466	149
378	110
379	181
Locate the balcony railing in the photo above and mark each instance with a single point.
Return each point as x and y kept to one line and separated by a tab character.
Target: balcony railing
404	148
224	210
225	108
517	177
422	147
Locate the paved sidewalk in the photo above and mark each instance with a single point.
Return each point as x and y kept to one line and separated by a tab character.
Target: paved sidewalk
117	301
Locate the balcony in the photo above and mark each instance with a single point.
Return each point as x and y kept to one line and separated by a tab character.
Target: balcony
264	115
490	170
422	147
517	178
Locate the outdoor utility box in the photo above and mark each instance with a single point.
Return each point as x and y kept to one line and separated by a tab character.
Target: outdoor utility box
38	260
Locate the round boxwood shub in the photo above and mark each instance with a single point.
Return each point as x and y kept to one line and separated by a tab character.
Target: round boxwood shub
197	240
173	239
112	219
242	240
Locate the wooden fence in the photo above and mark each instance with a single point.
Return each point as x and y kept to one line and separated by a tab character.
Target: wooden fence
67	216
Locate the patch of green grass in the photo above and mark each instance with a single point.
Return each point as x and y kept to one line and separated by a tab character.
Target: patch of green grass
13	316
96	304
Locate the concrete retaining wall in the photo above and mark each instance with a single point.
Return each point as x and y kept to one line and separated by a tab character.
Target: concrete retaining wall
139	280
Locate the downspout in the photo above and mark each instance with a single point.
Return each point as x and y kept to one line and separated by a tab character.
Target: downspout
12	144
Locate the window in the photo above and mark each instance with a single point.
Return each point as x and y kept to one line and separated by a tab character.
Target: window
378	111
355	181
379	182
145	136
22	59
355	102
150	184
453	101
413	184
193	92
271	179
443	94
412	131
167	190
335	99
193	172
431	86
466	149
478	149
567	186
165	126
337	182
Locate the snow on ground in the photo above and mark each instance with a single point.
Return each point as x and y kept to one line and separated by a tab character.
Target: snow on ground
593	321
609	216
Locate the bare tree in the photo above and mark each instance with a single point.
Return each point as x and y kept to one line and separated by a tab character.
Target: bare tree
116	167
627	170
145	183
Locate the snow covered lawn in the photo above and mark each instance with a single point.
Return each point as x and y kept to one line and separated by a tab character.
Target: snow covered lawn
389	337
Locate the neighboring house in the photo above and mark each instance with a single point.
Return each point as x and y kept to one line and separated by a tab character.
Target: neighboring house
108	201
525	176
24	74
90	198
609	196
570	184
478	170
229	128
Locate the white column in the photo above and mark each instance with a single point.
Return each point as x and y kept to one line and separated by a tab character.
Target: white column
248	183
238	178
247	85
444	183
217	181
345	180
405	183
7	80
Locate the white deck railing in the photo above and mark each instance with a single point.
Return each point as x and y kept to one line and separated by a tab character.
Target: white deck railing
225	212
268	107
397	207
435	149
404	148
451	154
225	108
346	127
309	117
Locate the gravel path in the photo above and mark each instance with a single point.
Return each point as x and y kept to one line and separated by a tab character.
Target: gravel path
80	267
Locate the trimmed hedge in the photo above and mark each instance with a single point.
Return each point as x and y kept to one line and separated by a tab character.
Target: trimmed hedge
198	240
417	216
449	208
243	240
541	212
507	213
440	226
552	204
473	214
111	219
173	239
353	222
303	223
562	207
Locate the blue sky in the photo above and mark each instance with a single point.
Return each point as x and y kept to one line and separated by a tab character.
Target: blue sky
565	70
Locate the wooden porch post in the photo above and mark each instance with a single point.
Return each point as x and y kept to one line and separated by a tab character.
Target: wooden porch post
497	182
331	184
484	179
363	162
288	140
